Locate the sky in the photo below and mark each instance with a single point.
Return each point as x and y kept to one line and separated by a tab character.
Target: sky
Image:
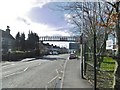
38	16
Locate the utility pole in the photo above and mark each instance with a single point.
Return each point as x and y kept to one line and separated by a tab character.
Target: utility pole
95	62
95	72
81	47
81	53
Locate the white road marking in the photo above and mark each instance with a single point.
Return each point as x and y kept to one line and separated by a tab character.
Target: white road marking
57	71
9	75
25	69
13	64
6	72
53	79
16	72
63	76
4	66
7	65
39	64
61	65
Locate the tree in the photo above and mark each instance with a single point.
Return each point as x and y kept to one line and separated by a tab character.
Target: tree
101	17
93	16
17	41
116	19
33	41
22	42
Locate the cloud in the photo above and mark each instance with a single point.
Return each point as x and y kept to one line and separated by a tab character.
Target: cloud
14	13
46	30
40	3
22	25
25	20
47	15
11	9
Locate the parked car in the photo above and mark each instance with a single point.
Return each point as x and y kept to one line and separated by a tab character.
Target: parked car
50	53
55	53
72	56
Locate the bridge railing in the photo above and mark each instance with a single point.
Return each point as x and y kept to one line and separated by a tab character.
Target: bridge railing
60	38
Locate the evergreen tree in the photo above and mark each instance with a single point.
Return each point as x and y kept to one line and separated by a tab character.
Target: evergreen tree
17	41
22	42
33	41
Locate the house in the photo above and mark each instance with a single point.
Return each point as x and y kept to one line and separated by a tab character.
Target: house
7	41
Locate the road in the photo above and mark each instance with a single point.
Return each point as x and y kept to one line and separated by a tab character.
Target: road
31	74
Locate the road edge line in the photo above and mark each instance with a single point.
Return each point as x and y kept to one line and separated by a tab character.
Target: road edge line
64	68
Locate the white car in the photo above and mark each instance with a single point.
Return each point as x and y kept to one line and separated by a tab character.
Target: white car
55	53
50	53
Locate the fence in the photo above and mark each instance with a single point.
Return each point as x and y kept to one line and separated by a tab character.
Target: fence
103	79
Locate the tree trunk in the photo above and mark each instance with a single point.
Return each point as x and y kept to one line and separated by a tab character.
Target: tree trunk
117	85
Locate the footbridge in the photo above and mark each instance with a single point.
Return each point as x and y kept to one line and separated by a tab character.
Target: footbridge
60	38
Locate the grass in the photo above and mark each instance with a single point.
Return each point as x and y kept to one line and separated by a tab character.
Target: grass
105	76
108	64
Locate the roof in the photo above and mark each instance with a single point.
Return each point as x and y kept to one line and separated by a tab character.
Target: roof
5	34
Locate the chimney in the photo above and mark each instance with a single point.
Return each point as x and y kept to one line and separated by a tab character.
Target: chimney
8	30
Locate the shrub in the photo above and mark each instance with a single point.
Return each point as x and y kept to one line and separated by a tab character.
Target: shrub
18	55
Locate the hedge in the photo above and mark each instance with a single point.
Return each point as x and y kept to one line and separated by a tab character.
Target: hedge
16	56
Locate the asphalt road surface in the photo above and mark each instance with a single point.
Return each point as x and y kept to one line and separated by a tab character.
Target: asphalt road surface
31	74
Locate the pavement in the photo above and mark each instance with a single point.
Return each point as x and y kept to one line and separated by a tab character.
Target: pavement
72	76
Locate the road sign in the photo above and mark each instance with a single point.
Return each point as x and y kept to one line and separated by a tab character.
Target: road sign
109	44
74	46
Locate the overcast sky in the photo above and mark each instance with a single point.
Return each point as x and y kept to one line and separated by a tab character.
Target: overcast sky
36	15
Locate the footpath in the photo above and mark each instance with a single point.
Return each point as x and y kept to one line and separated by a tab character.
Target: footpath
72	76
